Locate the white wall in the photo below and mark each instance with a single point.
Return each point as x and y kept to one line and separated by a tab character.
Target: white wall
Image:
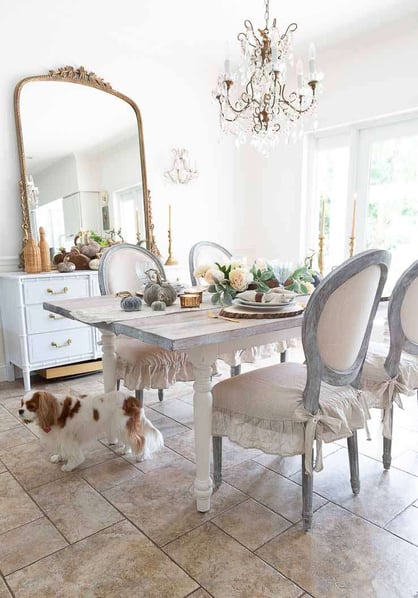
242	200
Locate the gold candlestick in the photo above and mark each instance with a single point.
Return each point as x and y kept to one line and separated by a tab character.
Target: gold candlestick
351	244
170	261
321	239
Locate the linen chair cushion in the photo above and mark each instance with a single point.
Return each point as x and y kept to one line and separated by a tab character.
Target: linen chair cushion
374	374
141	365
264	409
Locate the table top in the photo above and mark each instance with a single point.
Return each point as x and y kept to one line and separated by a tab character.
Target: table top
174	329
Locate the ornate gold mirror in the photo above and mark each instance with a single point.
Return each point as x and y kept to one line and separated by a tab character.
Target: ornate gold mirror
82	160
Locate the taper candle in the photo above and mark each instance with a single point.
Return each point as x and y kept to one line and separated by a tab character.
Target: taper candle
353	223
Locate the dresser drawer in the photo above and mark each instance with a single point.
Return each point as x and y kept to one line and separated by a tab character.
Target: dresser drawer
51	346
40	320
66	287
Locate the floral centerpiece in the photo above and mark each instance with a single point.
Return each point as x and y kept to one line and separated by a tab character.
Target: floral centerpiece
301	281
226	280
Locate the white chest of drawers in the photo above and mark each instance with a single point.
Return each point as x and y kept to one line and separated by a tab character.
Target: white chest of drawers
34	338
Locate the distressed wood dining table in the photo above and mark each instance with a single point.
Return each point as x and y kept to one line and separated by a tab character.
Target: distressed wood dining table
192	331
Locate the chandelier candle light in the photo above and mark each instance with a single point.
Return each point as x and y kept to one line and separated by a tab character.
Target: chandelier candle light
262	106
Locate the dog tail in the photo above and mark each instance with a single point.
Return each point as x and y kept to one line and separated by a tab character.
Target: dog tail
132	409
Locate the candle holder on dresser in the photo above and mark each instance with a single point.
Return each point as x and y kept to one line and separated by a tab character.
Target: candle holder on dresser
180	173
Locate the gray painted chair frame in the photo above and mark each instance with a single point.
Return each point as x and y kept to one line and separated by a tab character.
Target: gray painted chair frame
318	371
105	289
398	341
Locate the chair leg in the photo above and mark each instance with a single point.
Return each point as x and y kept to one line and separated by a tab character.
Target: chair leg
160	394
307	497
139	394
354	465
118	384
235	370
283	357
217	460
387	445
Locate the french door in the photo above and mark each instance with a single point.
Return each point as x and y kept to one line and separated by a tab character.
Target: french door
387	188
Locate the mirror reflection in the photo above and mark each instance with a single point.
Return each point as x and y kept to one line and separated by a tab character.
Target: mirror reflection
83	166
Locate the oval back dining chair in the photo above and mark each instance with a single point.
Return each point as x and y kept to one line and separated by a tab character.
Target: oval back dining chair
283	408
208	252
391	371
140	365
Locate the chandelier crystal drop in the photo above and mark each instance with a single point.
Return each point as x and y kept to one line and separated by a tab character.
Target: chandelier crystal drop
254	102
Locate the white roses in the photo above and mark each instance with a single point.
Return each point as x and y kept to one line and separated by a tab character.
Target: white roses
240	278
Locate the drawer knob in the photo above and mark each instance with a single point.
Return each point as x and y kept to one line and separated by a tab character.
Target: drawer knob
52	292
57	346
55	317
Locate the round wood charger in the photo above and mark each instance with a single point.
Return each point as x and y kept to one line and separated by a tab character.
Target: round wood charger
240	311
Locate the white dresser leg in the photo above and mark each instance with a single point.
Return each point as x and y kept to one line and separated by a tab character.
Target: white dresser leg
26	379
202	360
109	361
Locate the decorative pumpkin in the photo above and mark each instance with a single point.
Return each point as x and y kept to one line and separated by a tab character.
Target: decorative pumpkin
158	306
66	265
131	304
94	264
81	261
59	257
158	290
90	250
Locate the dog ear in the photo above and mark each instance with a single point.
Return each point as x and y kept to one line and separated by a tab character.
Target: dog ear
47	410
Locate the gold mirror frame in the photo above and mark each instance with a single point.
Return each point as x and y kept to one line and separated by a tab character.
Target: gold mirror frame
80	76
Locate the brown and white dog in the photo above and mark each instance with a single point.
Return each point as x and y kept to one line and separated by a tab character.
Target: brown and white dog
70	421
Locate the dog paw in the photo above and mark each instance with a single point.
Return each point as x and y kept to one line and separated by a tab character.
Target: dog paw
69	466
56	459
121	450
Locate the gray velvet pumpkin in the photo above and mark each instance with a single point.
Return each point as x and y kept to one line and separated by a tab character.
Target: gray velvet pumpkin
131	304
158	290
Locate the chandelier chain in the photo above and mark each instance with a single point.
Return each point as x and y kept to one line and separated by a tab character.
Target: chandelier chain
267	13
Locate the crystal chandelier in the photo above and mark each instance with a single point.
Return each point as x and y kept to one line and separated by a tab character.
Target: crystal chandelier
263	107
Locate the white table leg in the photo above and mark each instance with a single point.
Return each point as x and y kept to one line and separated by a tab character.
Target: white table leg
202	360
109	361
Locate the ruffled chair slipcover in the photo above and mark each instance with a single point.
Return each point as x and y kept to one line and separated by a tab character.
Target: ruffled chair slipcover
391	371
285	408
139	365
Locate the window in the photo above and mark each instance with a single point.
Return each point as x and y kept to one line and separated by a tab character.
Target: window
377	164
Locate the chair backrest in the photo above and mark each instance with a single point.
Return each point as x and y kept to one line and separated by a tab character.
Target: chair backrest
206	252
338	321
403	318
123	266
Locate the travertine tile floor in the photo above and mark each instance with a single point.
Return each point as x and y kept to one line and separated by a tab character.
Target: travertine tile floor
113	528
